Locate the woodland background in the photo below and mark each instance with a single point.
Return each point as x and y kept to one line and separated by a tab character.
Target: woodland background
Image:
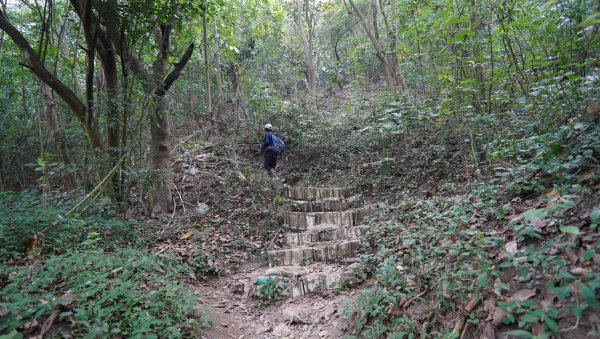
126	125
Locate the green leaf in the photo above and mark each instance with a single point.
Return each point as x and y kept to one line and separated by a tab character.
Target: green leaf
560	292
482	279
588	254
593	19
519	333
595	215
534	213
589	295
552	325
202	208
12	335
529	318
570	229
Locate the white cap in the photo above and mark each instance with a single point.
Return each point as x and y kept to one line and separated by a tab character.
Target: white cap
268	126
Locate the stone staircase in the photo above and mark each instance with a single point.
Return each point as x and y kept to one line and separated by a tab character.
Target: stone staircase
325	234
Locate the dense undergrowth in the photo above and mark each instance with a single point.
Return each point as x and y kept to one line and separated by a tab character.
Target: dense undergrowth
518	254
490	224
90	275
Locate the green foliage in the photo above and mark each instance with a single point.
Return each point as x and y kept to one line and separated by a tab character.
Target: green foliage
203	266
447	248
271	290
24	214
127	292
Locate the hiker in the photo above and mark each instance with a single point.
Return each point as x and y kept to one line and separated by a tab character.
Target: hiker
273	147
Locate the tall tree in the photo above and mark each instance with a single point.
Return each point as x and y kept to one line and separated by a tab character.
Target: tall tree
156	83
393	75
304	13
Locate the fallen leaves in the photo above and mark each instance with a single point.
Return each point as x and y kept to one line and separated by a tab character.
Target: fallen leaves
495	313
548	301
186	235
511	247
3	311
523	295
579	271
553	194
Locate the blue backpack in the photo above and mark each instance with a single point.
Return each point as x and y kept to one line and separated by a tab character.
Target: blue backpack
277	145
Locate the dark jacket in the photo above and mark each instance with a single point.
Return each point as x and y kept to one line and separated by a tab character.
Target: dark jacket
267	140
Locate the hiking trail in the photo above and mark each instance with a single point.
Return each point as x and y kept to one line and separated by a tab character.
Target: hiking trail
313	273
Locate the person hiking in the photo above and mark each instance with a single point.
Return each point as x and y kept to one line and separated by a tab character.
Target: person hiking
273	147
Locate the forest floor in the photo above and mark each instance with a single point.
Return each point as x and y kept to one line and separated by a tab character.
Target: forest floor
238	316
512	253
501	252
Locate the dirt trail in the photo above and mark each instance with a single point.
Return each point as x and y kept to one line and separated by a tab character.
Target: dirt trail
236	316
314	269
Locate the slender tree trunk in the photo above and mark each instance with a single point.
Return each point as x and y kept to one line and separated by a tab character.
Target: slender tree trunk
379	49
49	115
387	67
220	97
127	94
209	109
159	198
309	63
90	35
108	60
479	71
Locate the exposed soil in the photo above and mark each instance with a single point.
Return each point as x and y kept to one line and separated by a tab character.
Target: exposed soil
239	316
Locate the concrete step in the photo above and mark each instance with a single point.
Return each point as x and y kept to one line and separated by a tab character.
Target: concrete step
322	252
327	205
316	193
308	220
298	281
325	233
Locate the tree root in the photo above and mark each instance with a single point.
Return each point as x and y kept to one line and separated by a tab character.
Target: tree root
461	321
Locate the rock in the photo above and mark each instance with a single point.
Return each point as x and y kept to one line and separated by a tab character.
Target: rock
281	330
292	316
263	329
323	334
238	287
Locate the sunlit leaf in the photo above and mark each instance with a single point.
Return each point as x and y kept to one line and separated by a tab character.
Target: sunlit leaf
534	213
186	235
569	229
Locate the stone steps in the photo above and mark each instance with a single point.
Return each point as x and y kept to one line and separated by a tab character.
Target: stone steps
323	252
308	220
316	193
324	233
332	205
316	278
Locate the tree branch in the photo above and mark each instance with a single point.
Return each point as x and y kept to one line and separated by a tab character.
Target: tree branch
35	65
171	77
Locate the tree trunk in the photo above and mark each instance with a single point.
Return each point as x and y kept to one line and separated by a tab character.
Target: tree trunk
108	60
159	197
157	85
478	68
220	97
209	110
309	64
58	139
392	56
379	49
